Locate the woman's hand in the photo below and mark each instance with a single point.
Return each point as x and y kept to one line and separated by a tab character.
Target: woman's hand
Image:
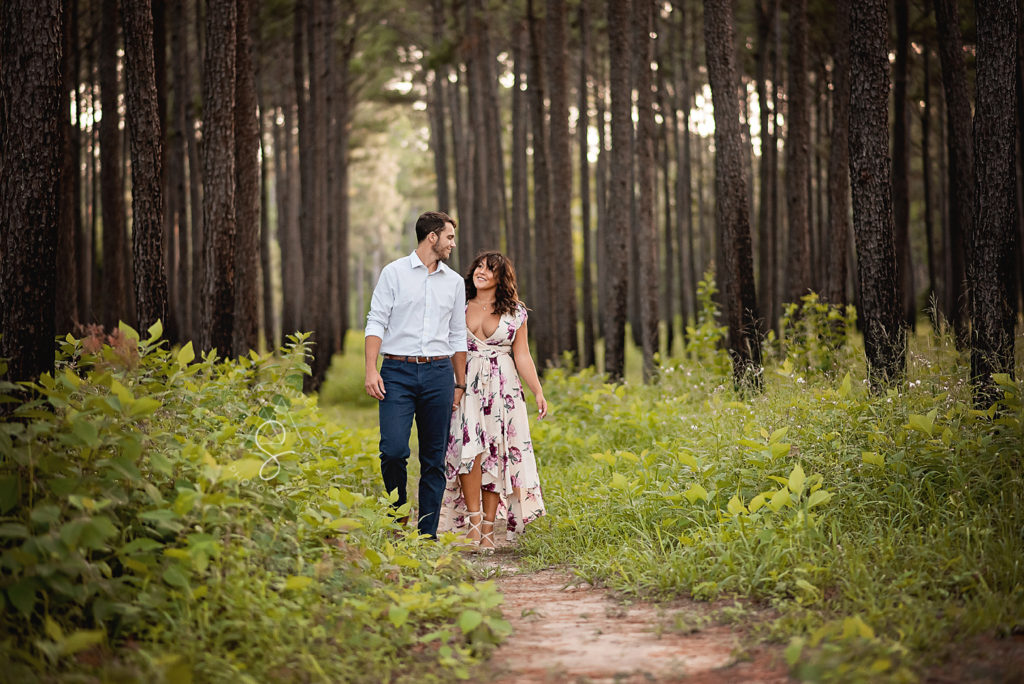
542	405
459	393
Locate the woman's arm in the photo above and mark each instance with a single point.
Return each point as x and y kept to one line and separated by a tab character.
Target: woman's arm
527	369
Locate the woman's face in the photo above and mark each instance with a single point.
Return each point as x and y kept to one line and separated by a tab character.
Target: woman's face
483	277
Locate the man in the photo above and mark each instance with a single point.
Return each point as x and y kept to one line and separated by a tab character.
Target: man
417	322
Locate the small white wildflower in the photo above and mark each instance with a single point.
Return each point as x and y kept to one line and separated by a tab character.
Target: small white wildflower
799	380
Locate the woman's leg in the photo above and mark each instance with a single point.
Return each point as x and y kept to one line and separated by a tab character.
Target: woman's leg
471	493
490	501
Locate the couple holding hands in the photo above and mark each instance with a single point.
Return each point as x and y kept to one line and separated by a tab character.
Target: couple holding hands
453	351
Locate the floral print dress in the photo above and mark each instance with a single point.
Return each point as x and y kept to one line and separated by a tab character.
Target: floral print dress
492	419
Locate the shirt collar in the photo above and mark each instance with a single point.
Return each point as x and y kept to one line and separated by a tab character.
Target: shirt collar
416	262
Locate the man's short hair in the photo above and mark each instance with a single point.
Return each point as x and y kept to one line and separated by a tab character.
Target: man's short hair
431	222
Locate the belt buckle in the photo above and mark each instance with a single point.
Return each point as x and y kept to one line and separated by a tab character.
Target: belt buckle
426	359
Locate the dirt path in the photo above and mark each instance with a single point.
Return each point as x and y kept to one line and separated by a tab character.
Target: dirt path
569	631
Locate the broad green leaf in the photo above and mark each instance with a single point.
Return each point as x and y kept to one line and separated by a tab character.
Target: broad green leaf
757	502
144	407
186	355
687	459
696	492
298	582
83	428
779	499
81	639
619	481
855	626
735	505
13	530
128	330
140	545
243	469
793	650
176	576
96	531
818	497
52	629
923	424
797	479
22	595
873	457
155	331
779	449
778	434
8	493
470	620
345	524
845	387
398	615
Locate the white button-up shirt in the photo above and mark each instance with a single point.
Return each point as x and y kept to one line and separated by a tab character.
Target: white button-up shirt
418	313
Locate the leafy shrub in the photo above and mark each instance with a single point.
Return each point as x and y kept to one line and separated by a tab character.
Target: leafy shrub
167	517
879	528
814	334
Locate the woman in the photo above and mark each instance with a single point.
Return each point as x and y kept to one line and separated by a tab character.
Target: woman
490	467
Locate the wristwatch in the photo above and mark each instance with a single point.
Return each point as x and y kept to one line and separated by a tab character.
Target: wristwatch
461	387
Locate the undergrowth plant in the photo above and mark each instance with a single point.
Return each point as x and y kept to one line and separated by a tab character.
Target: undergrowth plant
173	518
879	528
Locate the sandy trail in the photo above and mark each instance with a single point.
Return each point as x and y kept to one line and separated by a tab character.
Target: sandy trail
569	631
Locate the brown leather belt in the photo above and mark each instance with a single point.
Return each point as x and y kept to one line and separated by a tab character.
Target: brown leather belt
414	359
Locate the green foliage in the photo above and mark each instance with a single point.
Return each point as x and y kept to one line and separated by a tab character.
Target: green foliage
815	334
705	342
879	529
169	517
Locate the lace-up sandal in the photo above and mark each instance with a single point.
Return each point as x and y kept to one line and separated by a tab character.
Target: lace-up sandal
475	527
487	538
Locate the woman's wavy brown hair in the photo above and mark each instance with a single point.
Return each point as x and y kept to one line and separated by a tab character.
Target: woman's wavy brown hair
506	295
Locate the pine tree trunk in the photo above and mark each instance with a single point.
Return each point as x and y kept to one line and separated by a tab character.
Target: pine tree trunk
732	204
798	261
519	227
993	249
544	330
247	190
871	180
587	353
69	222
30	170
646	228
438	111
176	207
218	154
961	163
900	163
563	280
114	285
195	189
619	190
926	177
146	138
766	10
839	161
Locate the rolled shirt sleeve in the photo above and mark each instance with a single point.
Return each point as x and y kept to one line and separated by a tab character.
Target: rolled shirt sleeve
457	327
381	303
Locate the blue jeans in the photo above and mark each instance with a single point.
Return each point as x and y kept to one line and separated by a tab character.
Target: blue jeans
425	390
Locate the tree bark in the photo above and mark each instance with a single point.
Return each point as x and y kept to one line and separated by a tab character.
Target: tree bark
218	153
901	163
115	285
926	177
871	180
766	10
176	207
519	227
438	111
839	161
798	273
587	353
195	190
545	333
564	314
146	138
69	221
30	169
960	148
247	190
732	204
619	191
993	244
645	229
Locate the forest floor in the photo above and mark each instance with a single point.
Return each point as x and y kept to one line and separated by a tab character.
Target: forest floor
566	630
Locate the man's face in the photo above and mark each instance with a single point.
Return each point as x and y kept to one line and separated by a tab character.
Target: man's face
445	242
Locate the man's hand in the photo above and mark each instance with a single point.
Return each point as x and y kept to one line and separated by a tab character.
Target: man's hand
375	384
459	393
